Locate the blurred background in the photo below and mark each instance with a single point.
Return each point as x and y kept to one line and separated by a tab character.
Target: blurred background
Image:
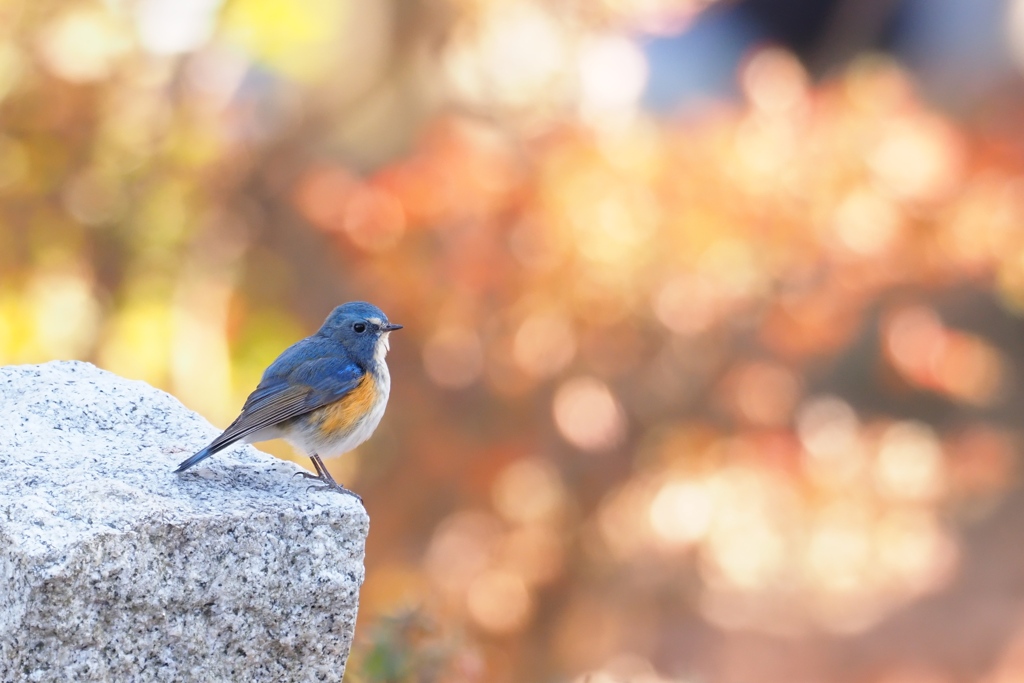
712	362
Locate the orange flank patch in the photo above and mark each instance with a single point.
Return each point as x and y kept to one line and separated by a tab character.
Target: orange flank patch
340	416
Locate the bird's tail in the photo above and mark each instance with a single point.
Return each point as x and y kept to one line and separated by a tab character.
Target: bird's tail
201	455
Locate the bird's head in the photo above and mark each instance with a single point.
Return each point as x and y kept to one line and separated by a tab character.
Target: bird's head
362	328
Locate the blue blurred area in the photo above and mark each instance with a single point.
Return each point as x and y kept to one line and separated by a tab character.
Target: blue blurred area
699	63
957	50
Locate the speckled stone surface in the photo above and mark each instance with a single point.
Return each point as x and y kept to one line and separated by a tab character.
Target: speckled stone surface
112	568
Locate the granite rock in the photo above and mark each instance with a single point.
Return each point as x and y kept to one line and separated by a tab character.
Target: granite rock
112	567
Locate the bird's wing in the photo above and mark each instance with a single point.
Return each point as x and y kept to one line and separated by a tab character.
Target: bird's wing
310	385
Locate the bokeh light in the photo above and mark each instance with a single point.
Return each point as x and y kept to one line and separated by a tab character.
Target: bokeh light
588	414
681	512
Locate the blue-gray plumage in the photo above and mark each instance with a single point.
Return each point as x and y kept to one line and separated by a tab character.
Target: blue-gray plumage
325	394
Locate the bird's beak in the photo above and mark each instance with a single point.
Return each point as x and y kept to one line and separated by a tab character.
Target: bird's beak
391	327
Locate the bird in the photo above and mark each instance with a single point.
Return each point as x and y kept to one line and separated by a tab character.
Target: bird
324	394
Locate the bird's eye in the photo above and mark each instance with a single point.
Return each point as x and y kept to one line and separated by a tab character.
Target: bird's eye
359	328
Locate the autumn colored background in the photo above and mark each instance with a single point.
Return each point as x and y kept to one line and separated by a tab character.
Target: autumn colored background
713	348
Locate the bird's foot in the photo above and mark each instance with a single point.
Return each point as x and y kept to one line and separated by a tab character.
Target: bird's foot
332	486
307	475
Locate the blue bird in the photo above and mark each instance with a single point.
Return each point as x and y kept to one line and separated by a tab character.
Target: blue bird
325	394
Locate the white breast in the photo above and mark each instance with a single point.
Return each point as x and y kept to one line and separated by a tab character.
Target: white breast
363	429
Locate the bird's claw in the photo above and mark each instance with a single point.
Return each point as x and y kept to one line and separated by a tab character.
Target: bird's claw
333	487
306	475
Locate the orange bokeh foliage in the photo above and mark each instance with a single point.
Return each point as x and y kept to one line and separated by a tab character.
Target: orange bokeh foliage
724	396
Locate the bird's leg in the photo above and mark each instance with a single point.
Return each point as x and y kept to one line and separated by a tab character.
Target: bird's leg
328	480
320	469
